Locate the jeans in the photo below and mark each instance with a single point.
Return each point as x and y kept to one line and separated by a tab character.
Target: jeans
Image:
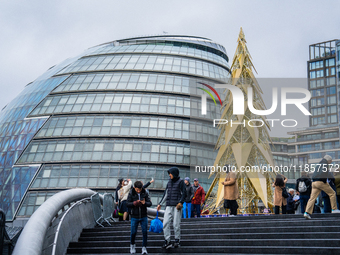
186	210
197	208
134	226
174	215
303	202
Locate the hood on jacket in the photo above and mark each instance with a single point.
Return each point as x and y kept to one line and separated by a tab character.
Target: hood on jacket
175	172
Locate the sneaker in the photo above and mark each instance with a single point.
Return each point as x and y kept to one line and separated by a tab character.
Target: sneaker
132	248
307	216
176	243
144	251
231	215
167	245
336	211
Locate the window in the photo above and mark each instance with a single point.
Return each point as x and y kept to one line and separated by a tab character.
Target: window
331	109
317	92
332	119
318	111
331	100
331	90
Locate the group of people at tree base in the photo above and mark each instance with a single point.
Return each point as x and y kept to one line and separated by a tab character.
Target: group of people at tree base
308	190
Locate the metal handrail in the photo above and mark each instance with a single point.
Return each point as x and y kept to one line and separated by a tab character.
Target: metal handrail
57	232
32	237
2	229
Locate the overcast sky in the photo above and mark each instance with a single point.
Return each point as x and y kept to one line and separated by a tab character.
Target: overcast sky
35	35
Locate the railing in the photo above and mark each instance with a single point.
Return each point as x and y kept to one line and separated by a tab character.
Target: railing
32	238
69	227
49	233
2	229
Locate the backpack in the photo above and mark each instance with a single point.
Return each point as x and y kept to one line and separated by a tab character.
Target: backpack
302	186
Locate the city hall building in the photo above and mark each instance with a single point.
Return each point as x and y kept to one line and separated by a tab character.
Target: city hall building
129	108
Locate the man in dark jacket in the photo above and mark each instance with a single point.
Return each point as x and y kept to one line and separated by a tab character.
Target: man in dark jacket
320	176
199	197
305	184
174	195
190	195
138	200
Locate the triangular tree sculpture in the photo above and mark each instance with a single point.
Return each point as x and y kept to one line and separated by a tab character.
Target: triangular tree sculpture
243	145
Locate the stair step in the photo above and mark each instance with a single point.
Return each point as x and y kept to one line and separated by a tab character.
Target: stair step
151	236
202	243
214	249
272	229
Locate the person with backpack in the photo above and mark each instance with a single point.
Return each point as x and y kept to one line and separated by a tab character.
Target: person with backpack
138	200
198	198
320	176
174	195
279	199
303	188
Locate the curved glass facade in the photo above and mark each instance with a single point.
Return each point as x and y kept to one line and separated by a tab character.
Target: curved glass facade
125	109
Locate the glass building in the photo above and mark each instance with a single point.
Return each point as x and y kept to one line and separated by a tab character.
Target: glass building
129	108
310	145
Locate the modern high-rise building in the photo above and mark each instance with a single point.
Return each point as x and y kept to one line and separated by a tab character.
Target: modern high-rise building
129	108
310	145
322	77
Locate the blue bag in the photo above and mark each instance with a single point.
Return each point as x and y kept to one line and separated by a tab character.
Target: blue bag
156	225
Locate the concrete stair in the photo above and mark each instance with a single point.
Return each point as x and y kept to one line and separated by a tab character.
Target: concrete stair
271	234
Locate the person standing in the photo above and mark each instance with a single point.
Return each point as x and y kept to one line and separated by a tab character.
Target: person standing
123	195
279	200
303	188
199	197
174	196
320	176
138	200
230	192
120	185
189	196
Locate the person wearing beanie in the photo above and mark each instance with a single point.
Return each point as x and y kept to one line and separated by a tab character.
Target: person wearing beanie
187	201
320	183
198	199
174	196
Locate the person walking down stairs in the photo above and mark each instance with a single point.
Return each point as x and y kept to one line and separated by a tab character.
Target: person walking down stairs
138	201
174	195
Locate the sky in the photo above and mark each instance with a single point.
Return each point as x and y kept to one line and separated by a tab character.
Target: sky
36	35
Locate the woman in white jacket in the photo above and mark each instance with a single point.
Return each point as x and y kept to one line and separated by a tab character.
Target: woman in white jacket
123	195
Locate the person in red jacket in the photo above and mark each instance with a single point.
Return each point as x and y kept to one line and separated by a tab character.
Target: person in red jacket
198	199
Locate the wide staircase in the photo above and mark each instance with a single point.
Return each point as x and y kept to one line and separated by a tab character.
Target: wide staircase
266	234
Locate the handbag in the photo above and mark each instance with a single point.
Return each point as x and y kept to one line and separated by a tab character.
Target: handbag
284	192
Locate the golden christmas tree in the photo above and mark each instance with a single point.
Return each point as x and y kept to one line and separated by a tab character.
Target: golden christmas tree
244	145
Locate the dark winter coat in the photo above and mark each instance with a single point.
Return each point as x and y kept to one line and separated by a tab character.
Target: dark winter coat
290	203
321	172
308	183
190	193
141	210
175	191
